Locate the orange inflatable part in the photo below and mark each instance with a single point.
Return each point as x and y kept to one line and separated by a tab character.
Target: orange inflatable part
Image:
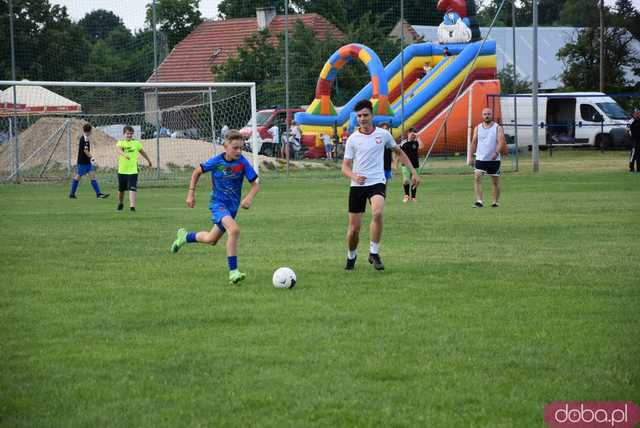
452	138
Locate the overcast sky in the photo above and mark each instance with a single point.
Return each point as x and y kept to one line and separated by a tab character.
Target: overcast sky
132	12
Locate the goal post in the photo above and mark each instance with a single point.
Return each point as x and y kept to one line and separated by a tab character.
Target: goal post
180	125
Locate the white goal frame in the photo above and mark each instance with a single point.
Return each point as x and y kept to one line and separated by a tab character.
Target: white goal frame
148	85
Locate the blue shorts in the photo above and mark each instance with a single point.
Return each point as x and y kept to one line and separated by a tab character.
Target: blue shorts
388	174
83	169
220	211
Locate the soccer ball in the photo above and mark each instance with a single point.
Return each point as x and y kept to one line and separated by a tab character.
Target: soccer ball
284	277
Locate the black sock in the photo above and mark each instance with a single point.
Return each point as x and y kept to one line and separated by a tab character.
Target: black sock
413	191
406	189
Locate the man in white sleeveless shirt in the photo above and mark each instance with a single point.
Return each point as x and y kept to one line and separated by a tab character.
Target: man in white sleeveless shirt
487	145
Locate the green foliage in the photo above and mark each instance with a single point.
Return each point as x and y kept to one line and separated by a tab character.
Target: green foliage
176	18
548	11
488	10
581	13
626	16
100	23
582	60
261	59
228	9
46	41
507	83
342	13
345	13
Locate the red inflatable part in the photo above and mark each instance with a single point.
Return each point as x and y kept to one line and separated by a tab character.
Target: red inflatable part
457	6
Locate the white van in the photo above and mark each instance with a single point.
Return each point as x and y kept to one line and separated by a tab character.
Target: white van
570	119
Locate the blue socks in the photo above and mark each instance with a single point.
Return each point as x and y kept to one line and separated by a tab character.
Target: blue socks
96	187
74	186
233	262
75	183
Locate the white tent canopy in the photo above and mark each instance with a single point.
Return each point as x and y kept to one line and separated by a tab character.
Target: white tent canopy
36	99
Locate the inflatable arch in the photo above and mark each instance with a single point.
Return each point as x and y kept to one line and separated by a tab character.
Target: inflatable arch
322	104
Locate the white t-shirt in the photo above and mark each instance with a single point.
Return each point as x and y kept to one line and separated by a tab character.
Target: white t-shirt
295	132
487	142
367	153
294	136
275	133
326	139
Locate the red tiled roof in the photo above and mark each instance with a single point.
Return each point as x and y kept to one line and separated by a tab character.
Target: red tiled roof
213	42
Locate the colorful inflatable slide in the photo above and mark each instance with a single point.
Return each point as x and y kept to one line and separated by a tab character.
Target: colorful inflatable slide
432	78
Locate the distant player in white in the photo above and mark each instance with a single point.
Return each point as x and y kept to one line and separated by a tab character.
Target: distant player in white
487	144
364	164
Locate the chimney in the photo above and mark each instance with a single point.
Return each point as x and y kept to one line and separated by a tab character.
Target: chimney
265	16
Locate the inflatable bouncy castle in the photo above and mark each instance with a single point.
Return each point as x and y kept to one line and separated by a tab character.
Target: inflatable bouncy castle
434	73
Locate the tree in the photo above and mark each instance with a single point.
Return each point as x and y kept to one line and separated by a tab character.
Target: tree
258	60
228	9
261	59
507	84
99	23
626	16
48	45
489	9
548	12
582	13
582	61
177	18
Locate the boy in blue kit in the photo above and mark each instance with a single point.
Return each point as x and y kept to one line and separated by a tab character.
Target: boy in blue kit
227	173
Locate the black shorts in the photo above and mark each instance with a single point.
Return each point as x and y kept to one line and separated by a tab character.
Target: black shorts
358	196
127	182
489	167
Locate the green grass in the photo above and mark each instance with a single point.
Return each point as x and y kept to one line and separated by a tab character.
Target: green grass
481	318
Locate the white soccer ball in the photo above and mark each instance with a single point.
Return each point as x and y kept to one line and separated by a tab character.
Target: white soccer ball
284	277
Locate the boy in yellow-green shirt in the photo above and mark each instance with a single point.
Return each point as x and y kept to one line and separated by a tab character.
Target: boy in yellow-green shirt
128	150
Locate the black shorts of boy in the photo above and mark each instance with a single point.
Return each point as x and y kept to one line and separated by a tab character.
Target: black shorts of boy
359	195
127	182
488	167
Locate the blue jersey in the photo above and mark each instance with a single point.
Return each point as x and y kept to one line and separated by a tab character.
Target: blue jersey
227	178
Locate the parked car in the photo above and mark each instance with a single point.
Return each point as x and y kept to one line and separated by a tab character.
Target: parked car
266	119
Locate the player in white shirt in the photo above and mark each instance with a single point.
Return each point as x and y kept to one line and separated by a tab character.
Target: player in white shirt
364	164
487	144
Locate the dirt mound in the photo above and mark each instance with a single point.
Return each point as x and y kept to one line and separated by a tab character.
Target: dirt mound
45	142
188	153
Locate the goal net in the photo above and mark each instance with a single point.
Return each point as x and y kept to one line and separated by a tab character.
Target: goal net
180	125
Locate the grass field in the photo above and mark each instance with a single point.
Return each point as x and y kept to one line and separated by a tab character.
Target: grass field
481	318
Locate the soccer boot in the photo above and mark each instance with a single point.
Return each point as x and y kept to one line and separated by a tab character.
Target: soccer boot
102	195
351	263
375	260
181	239
235	276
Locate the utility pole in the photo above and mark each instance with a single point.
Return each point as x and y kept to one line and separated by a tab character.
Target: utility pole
535	151
601	45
